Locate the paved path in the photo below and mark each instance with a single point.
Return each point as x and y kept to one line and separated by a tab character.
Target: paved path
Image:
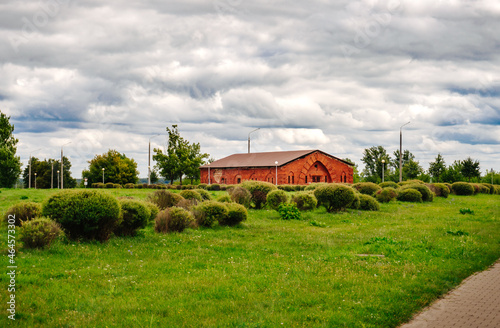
475	303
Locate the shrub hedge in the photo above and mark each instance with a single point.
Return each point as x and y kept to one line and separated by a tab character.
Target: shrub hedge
305	201
135	215
386	195
389	184
367	188
334	197
173	219
240	195
368	203
164	199
39	232
208	213
236	214
275	198
427	195
23	211
258	191
84	214
410	195
191	195
462	189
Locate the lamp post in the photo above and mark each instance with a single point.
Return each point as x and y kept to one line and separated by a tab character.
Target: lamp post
383	162
149	159
276	163
249	138
401	151
208	173
62	163
35	180
58	185
52	177
103	175
29	164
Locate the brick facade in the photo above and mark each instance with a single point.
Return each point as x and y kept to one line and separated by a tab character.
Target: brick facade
316	166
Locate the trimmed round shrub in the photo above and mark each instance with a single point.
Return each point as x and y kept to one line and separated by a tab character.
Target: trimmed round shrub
367	188
386	195
356	202
202	186
173	219
110	185
213	187
402	183
129	185
259	191
135	216
462	189
389	184
224	199
240	195
490	187
191	195
287	187
23	211
427	195
410	195
483	189
84	214
305	201
205	195
334	197
39	232
497	189
164	199
288	211
236	213
275	198
313	186
440	189
208	213
368	203
153	209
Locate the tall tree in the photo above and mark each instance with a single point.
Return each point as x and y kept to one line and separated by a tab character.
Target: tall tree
437	168
412	169
453	173
10	164
47	173
470	168
118	168
372	157
182	158
407	157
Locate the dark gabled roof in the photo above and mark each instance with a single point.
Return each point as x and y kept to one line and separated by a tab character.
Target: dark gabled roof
264	159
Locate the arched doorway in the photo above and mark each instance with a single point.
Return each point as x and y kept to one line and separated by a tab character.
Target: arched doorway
318	173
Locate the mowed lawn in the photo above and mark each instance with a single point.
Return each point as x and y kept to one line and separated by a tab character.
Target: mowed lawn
263	273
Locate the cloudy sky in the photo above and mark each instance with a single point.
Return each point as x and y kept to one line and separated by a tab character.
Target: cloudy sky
339	76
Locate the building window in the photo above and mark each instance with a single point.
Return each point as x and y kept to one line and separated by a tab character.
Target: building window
326	178
288	179
306	178
293	179
239	180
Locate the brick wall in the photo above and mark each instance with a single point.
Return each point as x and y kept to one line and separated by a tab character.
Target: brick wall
315	167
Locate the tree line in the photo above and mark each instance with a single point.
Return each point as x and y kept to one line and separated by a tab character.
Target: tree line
377	160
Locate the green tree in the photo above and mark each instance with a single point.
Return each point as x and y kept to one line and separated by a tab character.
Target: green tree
470	168
453	173
437	168
118	168
372	157
46	171
407	157
10	164
412	170
154	177
182	158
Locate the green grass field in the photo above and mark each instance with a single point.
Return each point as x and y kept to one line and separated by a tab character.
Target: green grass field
263	273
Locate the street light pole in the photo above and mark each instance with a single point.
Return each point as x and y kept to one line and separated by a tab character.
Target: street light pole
149	159
35	180
249	139
52	177
29	171
103	175
383	162
62	163
401	151
276	163
58	185
208	173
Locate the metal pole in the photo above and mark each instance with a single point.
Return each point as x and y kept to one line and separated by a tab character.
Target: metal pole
401	152
58	185
103	175
383	162
249	139
29	179
52	177
35	180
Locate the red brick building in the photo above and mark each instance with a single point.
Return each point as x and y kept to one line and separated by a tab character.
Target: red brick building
288	167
